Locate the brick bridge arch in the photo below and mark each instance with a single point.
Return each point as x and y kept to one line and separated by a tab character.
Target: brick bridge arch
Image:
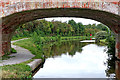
16	13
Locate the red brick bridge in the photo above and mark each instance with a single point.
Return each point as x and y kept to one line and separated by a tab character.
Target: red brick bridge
16	12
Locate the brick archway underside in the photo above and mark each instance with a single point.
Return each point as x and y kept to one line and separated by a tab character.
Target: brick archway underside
10	23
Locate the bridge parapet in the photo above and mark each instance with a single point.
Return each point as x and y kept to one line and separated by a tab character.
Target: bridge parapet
11	7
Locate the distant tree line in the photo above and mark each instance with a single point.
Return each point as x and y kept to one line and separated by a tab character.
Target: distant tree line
54	28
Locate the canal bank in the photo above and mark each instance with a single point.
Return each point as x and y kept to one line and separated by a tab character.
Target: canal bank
20	64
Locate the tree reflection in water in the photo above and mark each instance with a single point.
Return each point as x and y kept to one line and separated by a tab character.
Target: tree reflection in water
71	47
59	48
55	49
110	71
113	66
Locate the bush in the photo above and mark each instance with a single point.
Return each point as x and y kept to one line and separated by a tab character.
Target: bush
100	35
13	50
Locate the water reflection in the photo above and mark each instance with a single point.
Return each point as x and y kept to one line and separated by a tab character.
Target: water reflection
110	71
113	67
57	49
75	59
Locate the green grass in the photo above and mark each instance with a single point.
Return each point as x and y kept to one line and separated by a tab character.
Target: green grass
75	38
103	41
16	71
26	62
17	38
28	44
6	56
13	50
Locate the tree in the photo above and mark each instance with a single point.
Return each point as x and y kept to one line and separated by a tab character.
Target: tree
102	27
100	35
74	25
81	28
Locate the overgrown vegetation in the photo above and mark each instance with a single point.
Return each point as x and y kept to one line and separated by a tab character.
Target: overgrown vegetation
100	35
6	56
16	71
13	50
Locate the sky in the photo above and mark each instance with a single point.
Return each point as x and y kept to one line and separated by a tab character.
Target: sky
66	19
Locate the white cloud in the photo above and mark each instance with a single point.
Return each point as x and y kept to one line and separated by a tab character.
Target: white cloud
66	19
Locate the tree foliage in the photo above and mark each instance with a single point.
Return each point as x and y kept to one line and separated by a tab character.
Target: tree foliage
100	35
54	28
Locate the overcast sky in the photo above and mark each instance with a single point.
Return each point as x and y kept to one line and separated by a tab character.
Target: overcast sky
66	19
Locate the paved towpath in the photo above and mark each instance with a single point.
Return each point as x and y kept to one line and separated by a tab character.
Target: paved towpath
21	55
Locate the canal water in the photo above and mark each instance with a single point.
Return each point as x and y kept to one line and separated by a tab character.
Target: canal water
75	59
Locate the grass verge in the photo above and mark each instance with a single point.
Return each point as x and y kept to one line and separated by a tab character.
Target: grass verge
28	44
75	38
16	71
17	38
